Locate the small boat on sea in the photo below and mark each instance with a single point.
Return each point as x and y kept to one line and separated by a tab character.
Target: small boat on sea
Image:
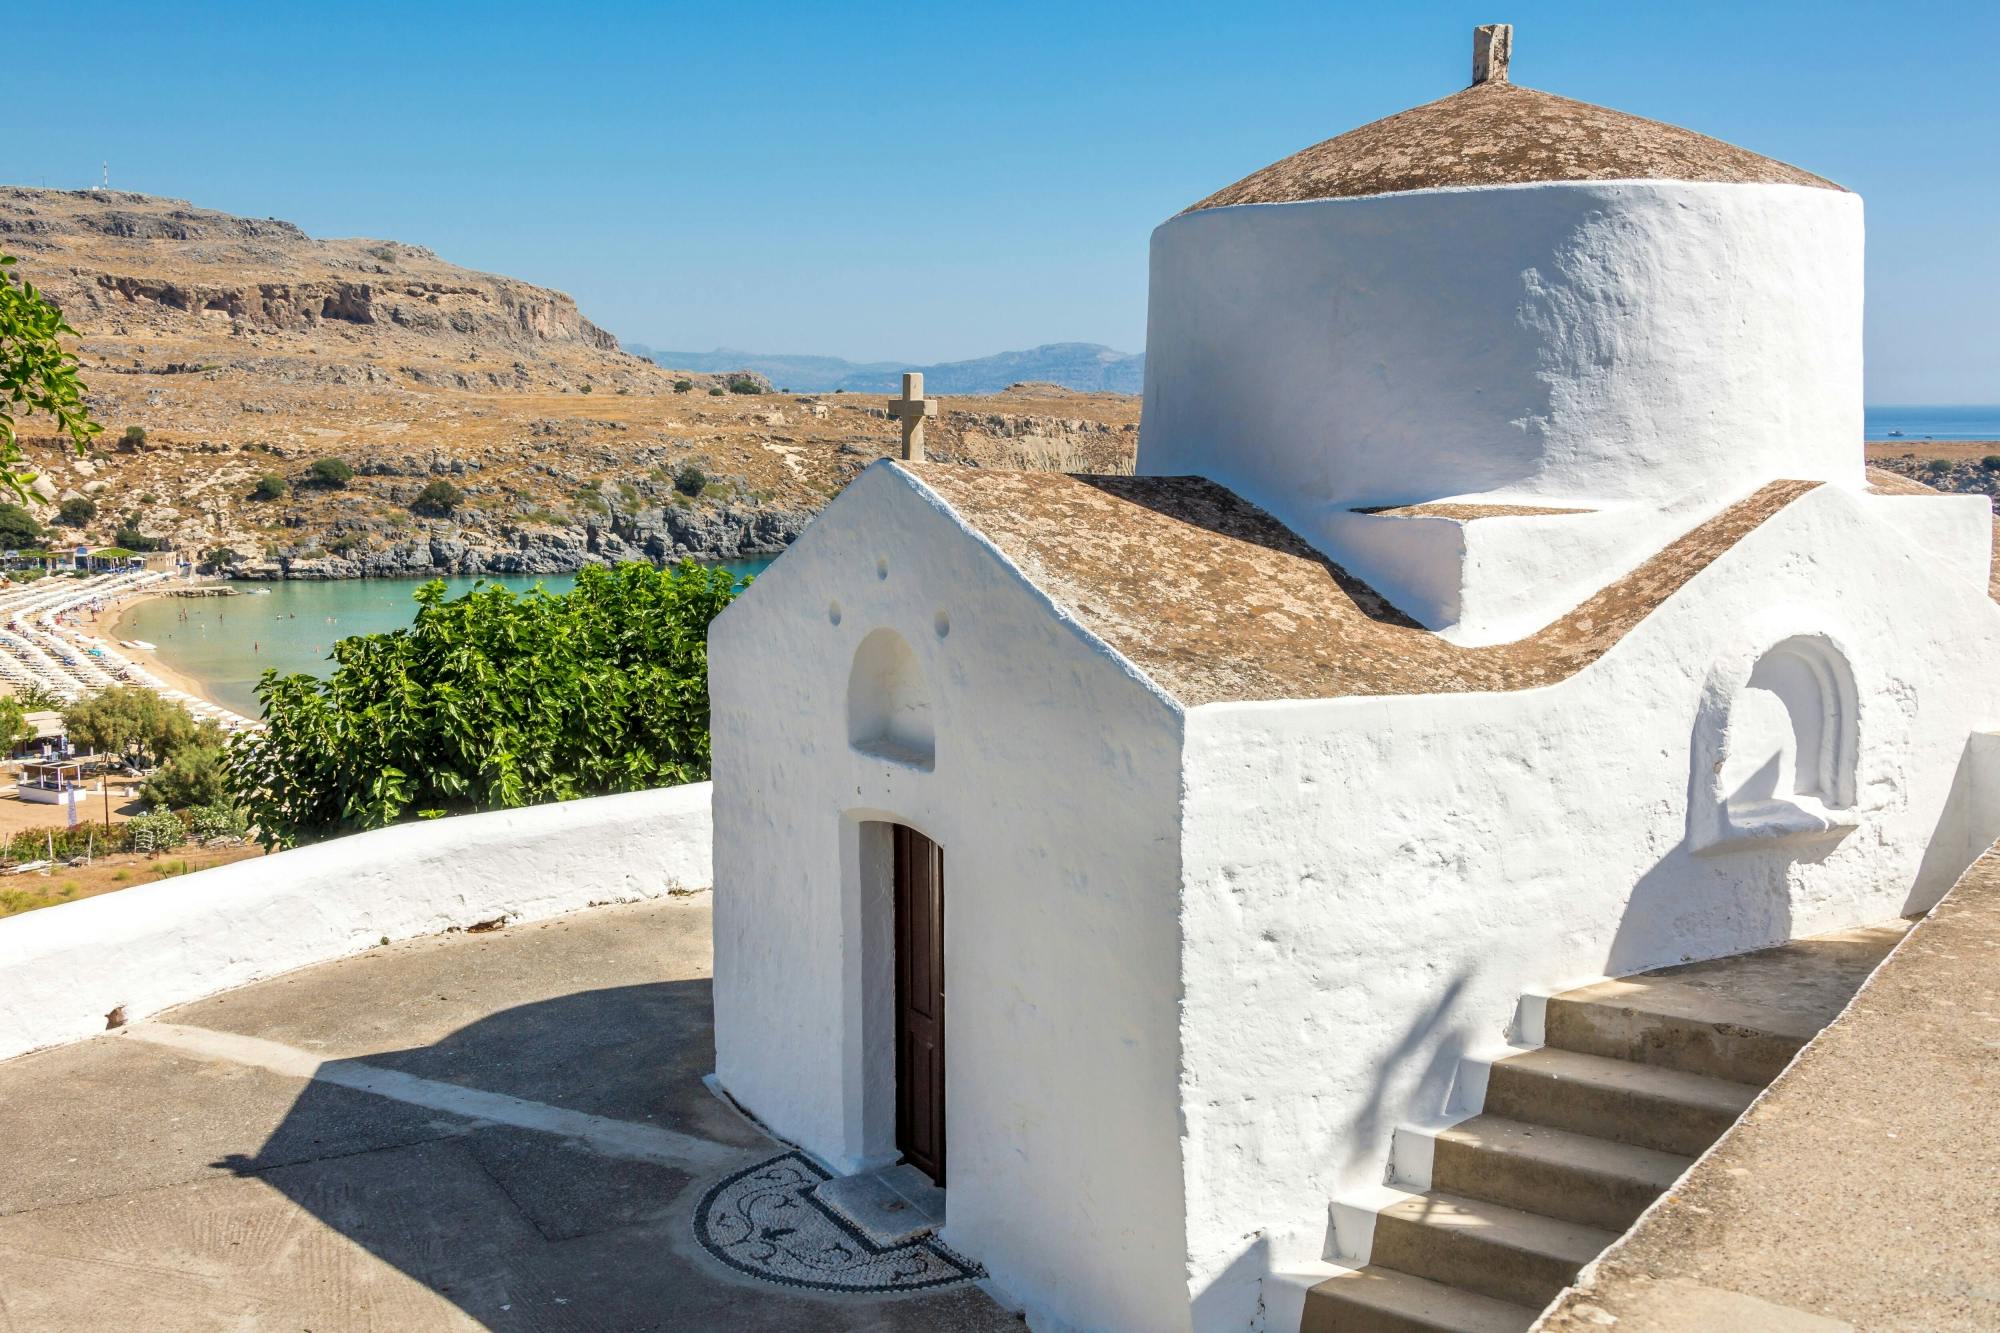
1895	435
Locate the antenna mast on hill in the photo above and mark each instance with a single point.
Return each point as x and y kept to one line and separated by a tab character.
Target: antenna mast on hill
106	185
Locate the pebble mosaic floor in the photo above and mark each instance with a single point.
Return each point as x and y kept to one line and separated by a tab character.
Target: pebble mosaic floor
765	1221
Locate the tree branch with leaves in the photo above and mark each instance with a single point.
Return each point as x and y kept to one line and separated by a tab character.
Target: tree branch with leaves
37	374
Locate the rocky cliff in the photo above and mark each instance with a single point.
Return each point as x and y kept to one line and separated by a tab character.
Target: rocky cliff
227	356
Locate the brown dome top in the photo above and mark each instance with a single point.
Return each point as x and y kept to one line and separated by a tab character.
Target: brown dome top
1499	133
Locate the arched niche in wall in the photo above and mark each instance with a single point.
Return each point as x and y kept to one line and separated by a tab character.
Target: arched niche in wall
889	702
1775	749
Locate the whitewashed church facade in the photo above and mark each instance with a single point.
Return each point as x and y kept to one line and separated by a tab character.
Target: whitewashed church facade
1502	603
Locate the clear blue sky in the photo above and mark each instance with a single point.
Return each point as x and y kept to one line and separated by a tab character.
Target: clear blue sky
926	183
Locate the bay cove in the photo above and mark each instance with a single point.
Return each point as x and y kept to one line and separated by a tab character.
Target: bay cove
227	643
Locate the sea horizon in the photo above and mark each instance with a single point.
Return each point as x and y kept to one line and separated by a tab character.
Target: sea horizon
1930	421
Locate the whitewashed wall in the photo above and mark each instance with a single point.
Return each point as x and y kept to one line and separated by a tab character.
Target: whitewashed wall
1554	342
1372	883
1053	788
64	969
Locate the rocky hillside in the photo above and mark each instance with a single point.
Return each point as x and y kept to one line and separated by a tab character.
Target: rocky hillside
227	356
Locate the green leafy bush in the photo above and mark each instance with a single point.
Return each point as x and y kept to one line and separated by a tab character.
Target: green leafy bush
18	529
135	437
1937	466
221	820
691	480
1991	462
76	511
682	386
437	499
715	391
158	832
744	384
490	700
270	486
80	839
195	776
332	472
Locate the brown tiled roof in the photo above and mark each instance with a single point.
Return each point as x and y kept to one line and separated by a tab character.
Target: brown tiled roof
1216	600
1502	134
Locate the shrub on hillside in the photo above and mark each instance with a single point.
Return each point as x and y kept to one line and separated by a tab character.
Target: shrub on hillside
691	480
1991	462
682	386
744	384
76	511
437	499
270	486
134	437
715	391
18	529
332	472
487	701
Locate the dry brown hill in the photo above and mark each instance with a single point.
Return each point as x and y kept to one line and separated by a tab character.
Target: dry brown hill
242	347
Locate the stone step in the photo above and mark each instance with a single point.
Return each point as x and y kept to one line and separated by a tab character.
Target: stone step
1485	1247
1740	1018
1381	1300
1554	1172
1628	1020
1627	1102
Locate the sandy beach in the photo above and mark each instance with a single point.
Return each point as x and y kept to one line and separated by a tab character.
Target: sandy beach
108	624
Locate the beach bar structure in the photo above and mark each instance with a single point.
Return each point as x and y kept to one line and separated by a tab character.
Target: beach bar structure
50	782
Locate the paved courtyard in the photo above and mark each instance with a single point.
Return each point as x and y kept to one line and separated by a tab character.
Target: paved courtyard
505	1130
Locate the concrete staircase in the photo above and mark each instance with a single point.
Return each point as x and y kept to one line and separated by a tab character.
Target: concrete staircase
1486	1218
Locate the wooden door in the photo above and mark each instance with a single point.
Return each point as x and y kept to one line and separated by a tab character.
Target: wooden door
920	1002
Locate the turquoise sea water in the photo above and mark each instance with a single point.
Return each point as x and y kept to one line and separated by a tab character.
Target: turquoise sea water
227	643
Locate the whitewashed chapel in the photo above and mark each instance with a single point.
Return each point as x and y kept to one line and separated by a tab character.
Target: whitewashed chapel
1501	603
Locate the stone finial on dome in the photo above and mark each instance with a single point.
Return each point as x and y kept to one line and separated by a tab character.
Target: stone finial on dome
1492	48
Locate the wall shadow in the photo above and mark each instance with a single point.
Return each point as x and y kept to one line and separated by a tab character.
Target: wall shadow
520	1228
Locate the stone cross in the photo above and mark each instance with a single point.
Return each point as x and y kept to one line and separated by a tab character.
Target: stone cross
912	409
1492	48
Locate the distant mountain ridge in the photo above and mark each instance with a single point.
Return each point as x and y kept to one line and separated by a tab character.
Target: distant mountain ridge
1087	367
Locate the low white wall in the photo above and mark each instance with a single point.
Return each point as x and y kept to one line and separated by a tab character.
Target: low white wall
63	969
